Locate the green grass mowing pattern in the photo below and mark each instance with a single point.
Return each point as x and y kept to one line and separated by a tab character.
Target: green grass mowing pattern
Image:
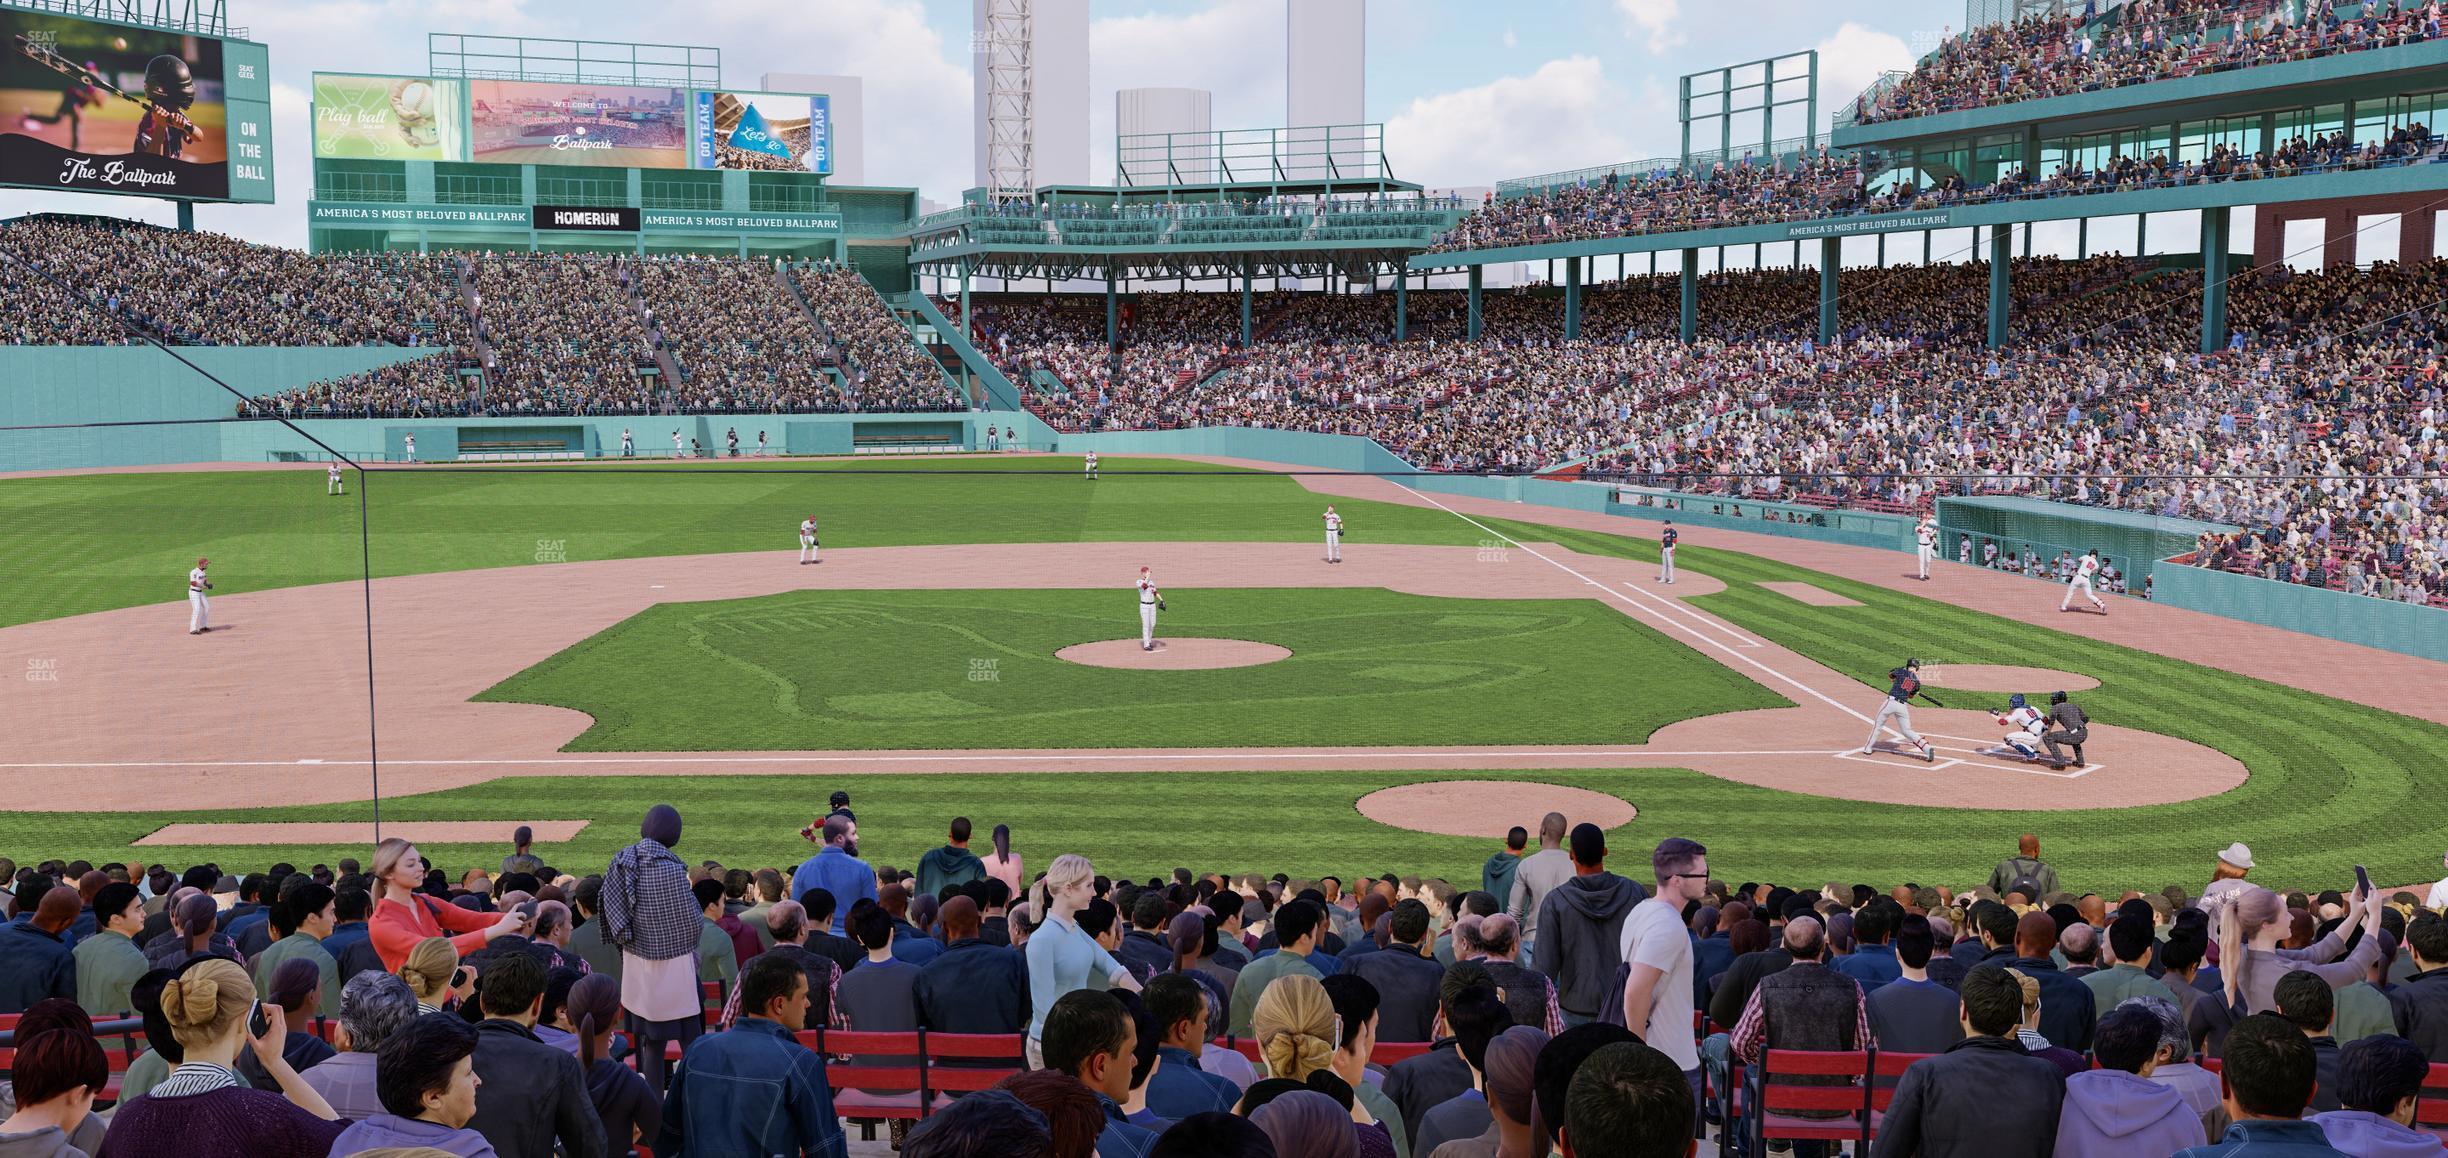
85	543
847	670
2332	784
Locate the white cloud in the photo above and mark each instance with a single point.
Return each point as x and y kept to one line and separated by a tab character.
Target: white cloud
1852	57
1232	48
1652	20
1566	115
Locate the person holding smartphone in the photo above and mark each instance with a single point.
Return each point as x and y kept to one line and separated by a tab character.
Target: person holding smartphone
403	916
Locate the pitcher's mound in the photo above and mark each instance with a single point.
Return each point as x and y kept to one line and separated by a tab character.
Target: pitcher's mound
1982	677
1489	807
1174	654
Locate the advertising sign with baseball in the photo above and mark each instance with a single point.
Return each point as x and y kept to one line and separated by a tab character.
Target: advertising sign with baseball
389	118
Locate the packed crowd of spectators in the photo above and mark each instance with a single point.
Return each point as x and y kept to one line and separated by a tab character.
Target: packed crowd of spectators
737	337
1755	192
1557	1000
886	368
2100	47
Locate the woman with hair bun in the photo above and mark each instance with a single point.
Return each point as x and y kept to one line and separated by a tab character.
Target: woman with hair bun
204	1109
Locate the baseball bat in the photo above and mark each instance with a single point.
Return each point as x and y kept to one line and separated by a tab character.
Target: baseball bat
51	59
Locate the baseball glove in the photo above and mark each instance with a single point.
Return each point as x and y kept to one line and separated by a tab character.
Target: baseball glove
1160	603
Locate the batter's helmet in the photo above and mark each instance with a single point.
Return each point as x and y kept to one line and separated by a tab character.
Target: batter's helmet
169	83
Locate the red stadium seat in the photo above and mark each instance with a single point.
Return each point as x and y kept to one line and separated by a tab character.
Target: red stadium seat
851	1079
947	1078
1776	1096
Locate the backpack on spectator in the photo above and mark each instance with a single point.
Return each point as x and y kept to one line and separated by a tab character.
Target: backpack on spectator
2024	882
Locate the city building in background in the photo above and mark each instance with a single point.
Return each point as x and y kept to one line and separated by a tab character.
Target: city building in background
1326	72
1144	111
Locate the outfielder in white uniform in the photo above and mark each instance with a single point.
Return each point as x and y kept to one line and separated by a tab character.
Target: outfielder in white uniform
331	480
2088	566
2022	726
628	444
1091	472
1927	536
199	609
1150	600
1334	535
807	541
411	439
675	444
1902	685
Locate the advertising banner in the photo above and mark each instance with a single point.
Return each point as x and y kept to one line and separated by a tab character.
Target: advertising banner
523	122
599	219
389	118
624	219
112	108
777	132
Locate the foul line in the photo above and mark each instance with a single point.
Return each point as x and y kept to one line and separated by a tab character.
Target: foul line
947	756
1733	650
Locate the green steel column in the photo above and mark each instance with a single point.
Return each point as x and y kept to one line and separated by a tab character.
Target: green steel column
1689	327
1926	236
1113	328
2141	235
2214	280
1402	305
2001	249
2082	238
1572	298
1245	303
1882	251
1475	271
1828	259
186	216
967	327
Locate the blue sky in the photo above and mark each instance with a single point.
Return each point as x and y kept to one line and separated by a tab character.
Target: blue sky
1470	92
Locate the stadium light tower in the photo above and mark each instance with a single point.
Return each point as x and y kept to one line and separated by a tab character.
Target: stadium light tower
1006	43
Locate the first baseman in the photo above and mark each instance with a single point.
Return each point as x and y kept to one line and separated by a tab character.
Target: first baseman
1927	536
1666	546
1334	535
807	541
2088	566
199	610
331	480
1902	685
2023	727
1150	600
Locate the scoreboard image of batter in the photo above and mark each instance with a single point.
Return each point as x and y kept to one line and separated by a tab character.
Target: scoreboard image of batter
110	108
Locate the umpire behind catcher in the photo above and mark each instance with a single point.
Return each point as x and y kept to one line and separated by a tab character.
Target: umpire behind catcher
2067	725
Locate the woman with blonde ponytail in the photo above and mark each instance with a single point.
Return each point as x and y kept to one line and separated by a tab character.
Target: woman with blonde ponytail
204	1109
1061	956
428	972
1296	1028
2252	920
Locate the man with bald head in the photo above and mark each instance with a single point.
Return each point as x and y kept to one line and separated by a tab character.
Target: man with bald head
2067	1010
2026	869
1806	1006
2079	944
35	960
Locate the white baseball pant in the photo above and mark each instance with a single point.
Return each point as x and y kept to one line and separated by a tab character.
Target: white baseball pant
807	548
1334	546
199	611
1147	624
1665	564
2027	743
2084	585
1894	709
1928	554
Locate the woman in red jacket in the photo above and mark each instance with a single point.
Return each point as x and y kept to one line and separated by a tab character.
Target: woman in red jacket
404	917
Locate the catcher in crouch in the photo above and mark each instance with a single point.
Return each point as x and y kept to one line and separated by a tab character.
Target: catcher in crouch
2022	725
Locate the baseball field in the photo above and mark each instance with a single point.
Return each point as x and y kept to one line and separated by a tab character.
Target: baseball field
575	644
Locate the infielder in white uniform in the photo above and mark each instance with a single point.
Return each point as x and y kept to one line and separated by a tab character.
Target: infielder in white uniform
2022	726
199	610
1927	536
1334	535
807	541
2084	569
331	480
1091	464
1902	685
1150	601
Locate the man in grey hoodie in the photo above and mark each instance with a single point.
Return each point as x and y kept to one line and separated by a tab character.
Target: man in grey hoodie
2116	1109
1582	927
2379	1080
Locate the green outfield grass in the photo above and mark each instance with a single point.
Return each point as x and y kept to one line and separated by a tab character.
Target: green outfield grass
85	543
2332	783
976	669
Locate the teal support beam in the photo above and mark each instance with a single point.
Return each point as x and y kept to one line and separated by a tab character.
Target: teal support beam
1572	298
2082	238
1882	251
2001	251
2214	225
1245	303
1113	331
2141	235
1475	272
1828	260
1927	236
186	216
1402	306
1689	328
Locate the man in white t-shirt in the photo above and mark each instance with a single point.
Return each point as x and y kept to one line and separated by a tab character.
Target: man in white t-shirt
2439	892
1658	947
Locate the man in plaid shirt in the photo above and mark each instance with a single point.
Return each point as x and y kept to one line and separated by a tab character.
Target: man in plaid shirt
1806	1007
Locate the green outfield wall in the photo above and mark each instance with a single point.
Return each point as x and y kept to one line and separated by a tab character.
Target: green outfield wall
2380	623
